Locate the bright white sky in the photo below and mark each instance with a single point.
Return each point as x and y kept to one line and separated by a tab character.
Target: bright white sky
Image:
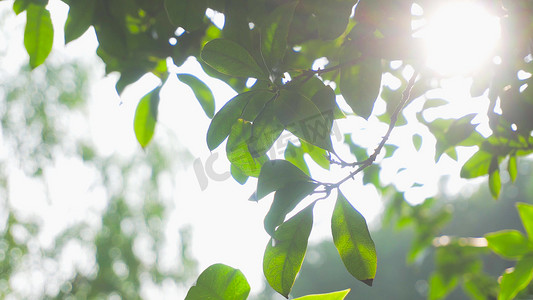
227	228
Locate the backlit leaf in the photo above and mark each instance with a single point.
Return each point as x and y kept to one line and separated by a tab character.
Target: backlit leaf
340	295
220	282
186	14
274	34
417	141
352	240
266	130
38	34
237	149
230	58
477	165
526	214
201	91
495	183
512	167
508	243
146	117
360	83
220	126
516	280
276	174
285	252
80	17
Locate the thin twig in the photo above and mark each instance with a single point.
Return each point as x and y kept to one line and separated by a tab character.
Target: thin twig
406	95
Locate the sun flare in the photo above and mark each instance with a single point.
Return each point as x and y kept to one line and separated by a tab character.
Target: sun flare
459	37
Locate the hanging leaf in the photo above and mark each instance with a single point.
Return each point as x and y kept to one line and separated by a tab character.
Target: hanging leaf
285	200
186	14
526	215
360	83
276	174
220	282
201	91
295	155
495	183
332	17
417	141
38	34
340	295
238	106
238	175
80	18
230	58
518	279
285	252
352	240
274	34
146	117
512	167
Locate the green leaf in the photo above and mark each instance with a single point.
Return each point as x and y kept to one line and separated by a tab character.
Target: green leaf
340	295
477	165
237	149
274	34
276	174
266	130
417	141
80	17
352	240
332	17
38	34
285	252
518	279
319	155
146	117
512	167
301	117
201	91
285	200
238	106
220	282
360	83
495	183
510	244
295	155
186	14
440	287
230	58
238	174
526	215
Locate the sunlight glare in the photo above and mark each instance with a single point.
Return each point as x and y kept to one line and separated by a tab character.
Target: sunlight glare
460	36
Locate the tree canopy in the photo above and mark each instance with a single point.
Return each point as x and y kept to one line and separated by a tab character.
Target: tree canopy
292	62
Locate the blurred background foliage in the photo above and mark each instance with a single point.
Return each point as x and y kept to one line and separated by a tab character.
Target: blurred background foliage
113	243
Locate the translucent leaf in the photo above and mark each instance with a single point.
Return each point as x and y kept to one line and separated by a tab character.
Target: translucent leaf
237	149
477	165
518	279
512	167
417	141
230	58
146	117
301	117
274	34
526	214
440	287
285	252
220	126
340	295
332	17
495	183
220	282
201	91
80	17
352	240
238	174
508	243
38	34
295	155
266	130
276	174
360	83
285	200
